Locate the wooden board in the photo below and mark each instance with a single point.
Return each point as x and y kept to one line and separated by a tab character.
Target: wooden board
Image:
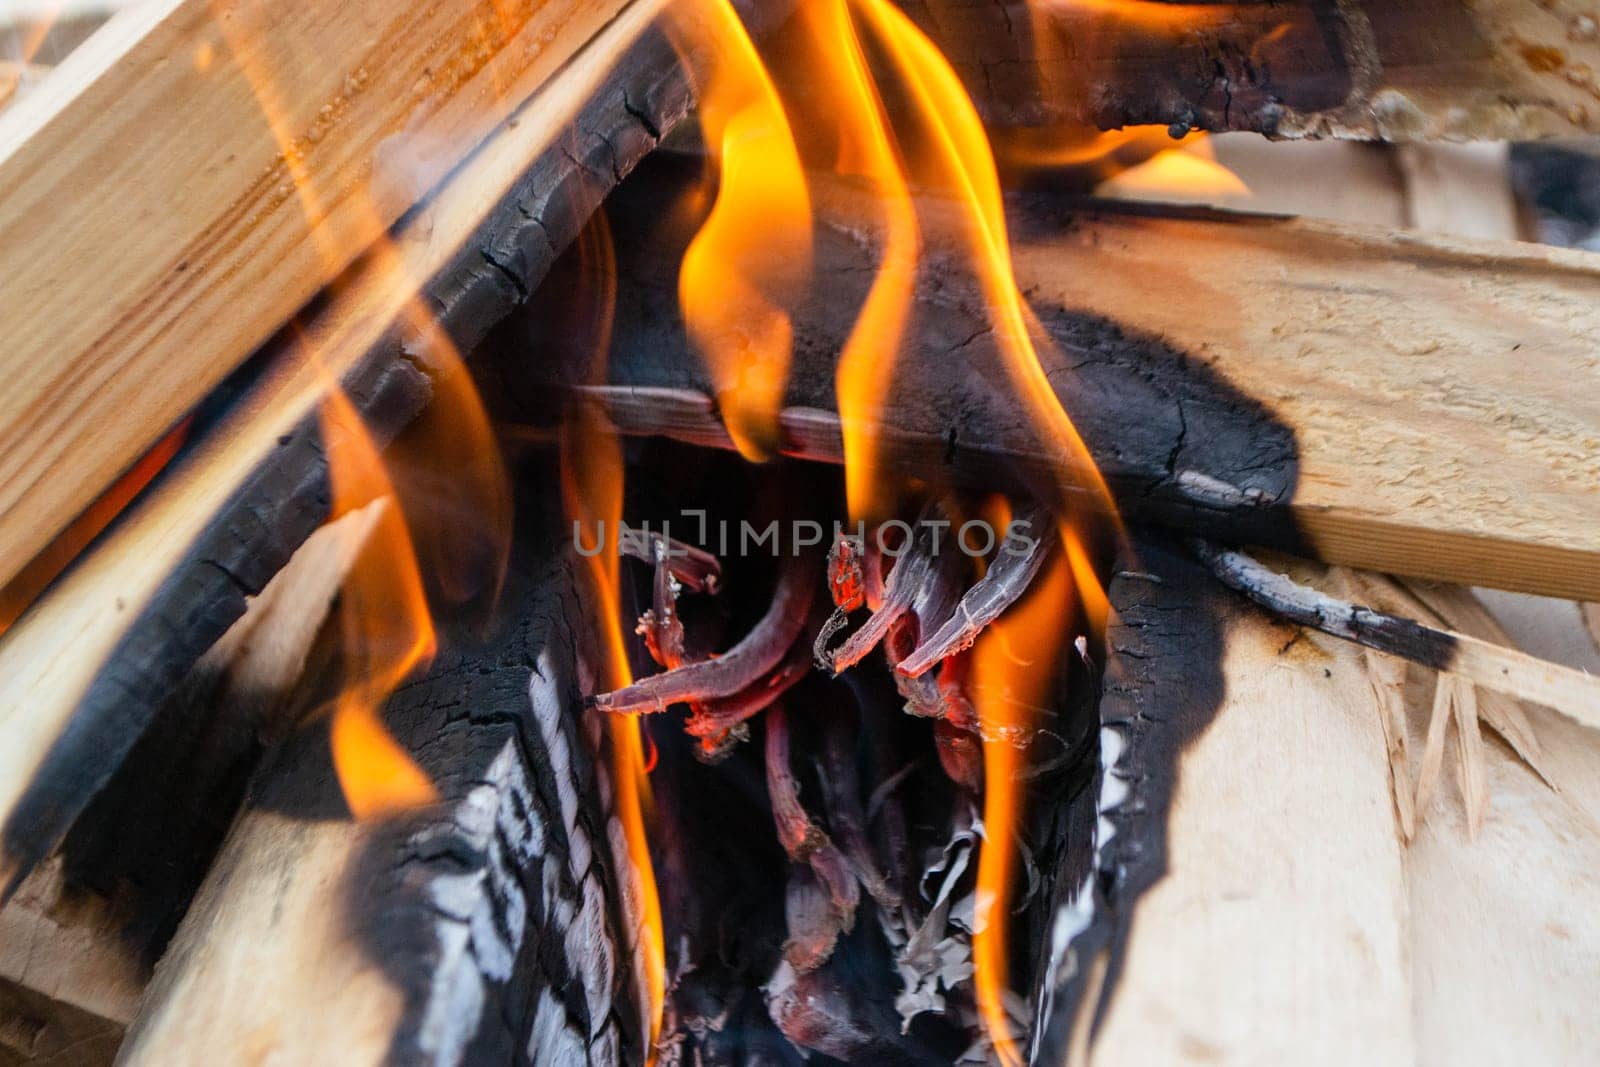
1405	403
189	179
83	670
1256	902
1366	69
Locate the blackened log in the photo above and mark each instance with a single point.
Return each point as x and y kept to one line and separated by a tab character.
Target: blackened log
490	927
1370	69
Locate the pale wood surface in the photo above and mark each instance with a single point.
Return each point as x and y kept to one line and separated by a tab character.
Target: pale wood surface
267	949
1295	926
51	656
1277	936
188	181
1445	393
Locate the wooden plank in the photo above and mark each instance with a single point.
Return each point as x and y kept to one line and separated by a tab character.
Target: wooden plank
1330	389
1364	69
1254	901
192	177
1277	934
82	671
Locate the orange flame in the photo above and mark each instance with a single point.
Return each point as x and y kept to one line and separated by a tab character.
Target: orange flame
752	257
387	625
954	157
867	149
1013	664
591	485
939	146
591	491
387	629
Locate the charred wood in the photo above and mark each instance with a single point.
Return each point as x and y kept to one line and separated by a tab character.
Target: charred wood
489	927
1391	70
1212	393
227	516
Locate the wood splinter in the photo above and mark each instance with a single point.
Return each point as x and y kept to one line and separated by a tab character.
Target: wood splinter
1574	694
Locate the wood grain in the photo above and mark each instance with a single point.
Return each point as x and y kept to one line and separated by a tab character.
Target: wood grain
189	179
1255	901
1444	394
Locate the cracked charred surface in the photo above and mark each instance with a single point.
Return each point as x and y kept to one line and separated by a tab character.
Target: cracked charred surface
492	927
1170	435
225	519
1162	687
1329	389
1372	69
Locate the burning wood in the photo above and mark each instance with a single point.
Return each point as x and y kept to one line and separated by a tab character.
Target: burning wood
1210	391
485	837
740	667
194	552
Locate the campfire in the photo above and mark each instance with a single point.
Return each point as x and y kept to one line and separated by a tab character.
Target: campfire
682	531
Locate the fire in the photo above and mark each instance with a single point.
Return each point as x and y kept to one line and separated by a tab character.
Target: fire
866	149
387	624
936	145
954	158
591	486
591	492
1013	665
386	627
752	257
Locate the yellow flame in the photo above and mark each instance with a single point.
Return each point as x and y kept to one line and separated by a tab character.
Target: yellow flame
386	626
752	257
866	149
1013	664
955	157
